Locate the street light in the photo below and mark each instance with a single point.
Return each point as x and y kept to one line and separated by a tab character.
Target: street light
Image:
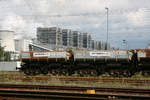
107	9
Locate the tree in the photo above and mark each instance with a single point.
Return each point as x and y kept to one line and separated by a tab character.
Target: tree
4	56
1	53
7	56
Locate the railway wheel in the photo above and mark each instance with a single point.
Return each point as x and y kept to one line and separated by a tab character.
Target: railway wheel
114	73
80	72
111	73
85	72
64	72
117	74
128	74
45	71
146	73
125	73
93	73
54	72
27	72
37	71
32	71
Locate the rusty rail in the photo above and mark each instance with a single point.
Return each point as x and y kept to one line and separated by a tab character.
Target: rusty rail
63	92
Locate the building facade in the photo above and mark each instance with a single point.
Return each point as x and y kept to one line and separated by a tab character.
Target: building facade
77	39
148	46
57	38
51	35
22	44
86	40
7	40
67	37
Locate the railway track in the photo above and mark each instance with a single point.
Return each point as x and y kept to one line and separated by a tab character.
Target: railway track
88	79
63	92
19	78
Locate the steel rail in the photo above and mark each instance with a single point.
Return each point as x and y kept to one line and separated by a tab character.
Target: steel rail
16	86
39	91
63	95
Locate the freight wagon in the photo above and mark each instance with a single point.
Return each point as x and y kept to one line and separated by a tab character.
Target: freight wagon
112	62
143	61
86	62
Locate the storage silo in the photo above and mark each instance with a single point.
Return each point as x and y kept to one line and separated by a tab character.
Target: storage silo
7	40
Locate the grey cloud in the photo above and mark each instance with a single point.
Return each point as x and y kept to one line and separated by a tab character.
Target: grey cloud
83	15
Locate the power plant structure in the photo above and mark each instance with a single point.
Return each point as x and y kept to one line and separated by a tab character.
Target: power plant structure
57	38
51	36
86	40
22	44
77	39
7	40
67	36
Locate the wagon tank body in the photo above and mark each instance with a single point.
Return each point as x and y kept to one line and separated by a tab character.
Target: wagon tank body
34	63
143	55
113	62
46	56
143	61
103	55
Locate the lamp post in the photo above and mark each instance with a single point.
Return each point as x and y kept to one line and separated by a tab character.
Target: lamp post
107	9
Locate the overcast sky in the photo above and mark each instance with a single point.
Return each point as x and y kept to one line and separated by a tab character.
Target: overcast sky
128	19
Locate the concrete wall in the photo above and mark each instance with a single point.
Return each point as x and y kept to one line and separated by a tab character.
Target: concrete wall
9	66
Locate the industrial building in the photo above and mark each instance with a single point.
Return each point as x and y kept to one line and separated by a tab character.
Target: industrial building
101	45
57	38
51	35
148	46
67	37
7	40
95	45
22	44
98	45
86	40
35	47
77	39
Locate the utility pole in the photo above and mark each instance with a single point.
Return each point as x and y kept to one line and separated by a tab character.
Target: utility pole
107	9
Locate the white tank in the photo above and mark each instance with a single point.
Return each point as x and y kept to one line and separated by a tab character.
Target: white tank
100	55
7	40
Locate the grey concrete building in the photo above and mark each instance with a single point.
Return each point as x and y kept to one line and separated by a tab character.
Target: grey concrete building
22	44
86	40
148	46
51	35
101	45
7	40
57	38
67	37
77	39
98	45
